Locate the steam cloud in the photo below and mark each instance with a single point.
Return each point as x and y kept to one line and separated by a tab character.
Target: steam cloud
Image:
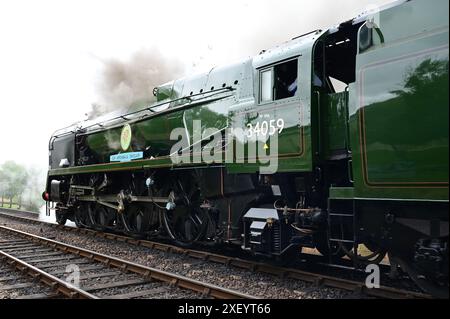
126	84
129	84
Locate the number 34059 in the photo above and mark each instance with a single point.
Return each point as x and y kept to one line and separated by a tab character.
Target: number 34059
265	128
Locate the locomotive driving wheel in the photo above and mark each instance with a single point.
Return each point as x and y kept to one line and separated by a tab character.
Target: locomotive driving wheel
187	222
104	217
81	215
139	219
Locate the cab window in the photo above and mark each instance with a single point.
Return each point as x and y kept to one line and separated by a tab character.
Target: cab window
279	81
266	85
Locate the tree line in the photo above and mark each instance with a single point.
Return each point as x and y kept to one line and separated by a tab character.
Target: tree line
21	185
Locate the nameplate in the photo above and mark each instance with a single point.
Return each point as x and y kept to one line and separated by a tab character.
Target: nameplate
126	157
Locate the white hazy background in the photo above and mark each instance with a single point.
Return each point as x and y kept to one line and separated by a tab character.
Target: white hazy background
53	53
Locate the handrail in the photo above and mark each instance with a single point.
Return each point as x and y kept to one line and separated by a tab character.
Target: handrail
307	33
319	131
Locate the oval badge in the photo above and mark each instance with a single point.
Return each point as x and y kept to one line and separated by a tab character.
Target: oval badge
125	137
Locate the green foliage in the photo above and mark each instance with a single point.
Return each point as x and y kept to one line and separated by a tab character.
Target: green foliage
13	179
23	185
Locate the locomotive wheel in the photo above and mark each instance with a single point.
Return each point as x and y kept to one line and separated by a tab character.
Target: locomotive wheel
137	219
81	216
61	218
91	216
335	250
185	226
187	223
104	217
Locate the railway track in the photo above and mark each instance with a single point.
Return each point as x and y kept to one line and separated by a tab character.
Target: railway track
99	275
287	273
15	284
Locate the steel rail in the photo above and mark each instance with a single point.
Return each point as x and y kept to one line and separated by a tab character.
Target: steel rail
315	278
55	283
203	288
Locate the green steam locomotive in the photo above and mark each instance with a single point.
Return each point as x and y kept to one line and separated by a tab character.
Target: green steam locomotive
335	139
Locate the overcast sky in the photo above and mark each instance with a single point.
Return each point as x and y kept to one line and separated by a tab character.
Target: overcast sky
51	52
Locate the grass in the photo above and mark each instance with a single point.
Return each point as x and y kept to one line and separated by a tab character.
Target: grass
7	205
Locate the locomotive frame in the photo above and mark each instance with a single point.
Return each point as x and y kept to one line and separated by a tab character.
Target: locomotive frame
366	165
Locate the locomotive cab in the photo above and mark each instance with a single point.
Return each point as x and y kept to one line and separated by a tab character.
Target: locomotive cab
334	60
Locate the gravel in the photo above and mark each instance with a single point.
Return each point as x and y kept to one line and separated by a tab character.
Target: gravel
252	283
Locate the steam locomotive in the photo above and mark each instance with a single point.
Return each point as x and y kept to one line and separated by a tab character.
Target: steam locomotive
352	124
